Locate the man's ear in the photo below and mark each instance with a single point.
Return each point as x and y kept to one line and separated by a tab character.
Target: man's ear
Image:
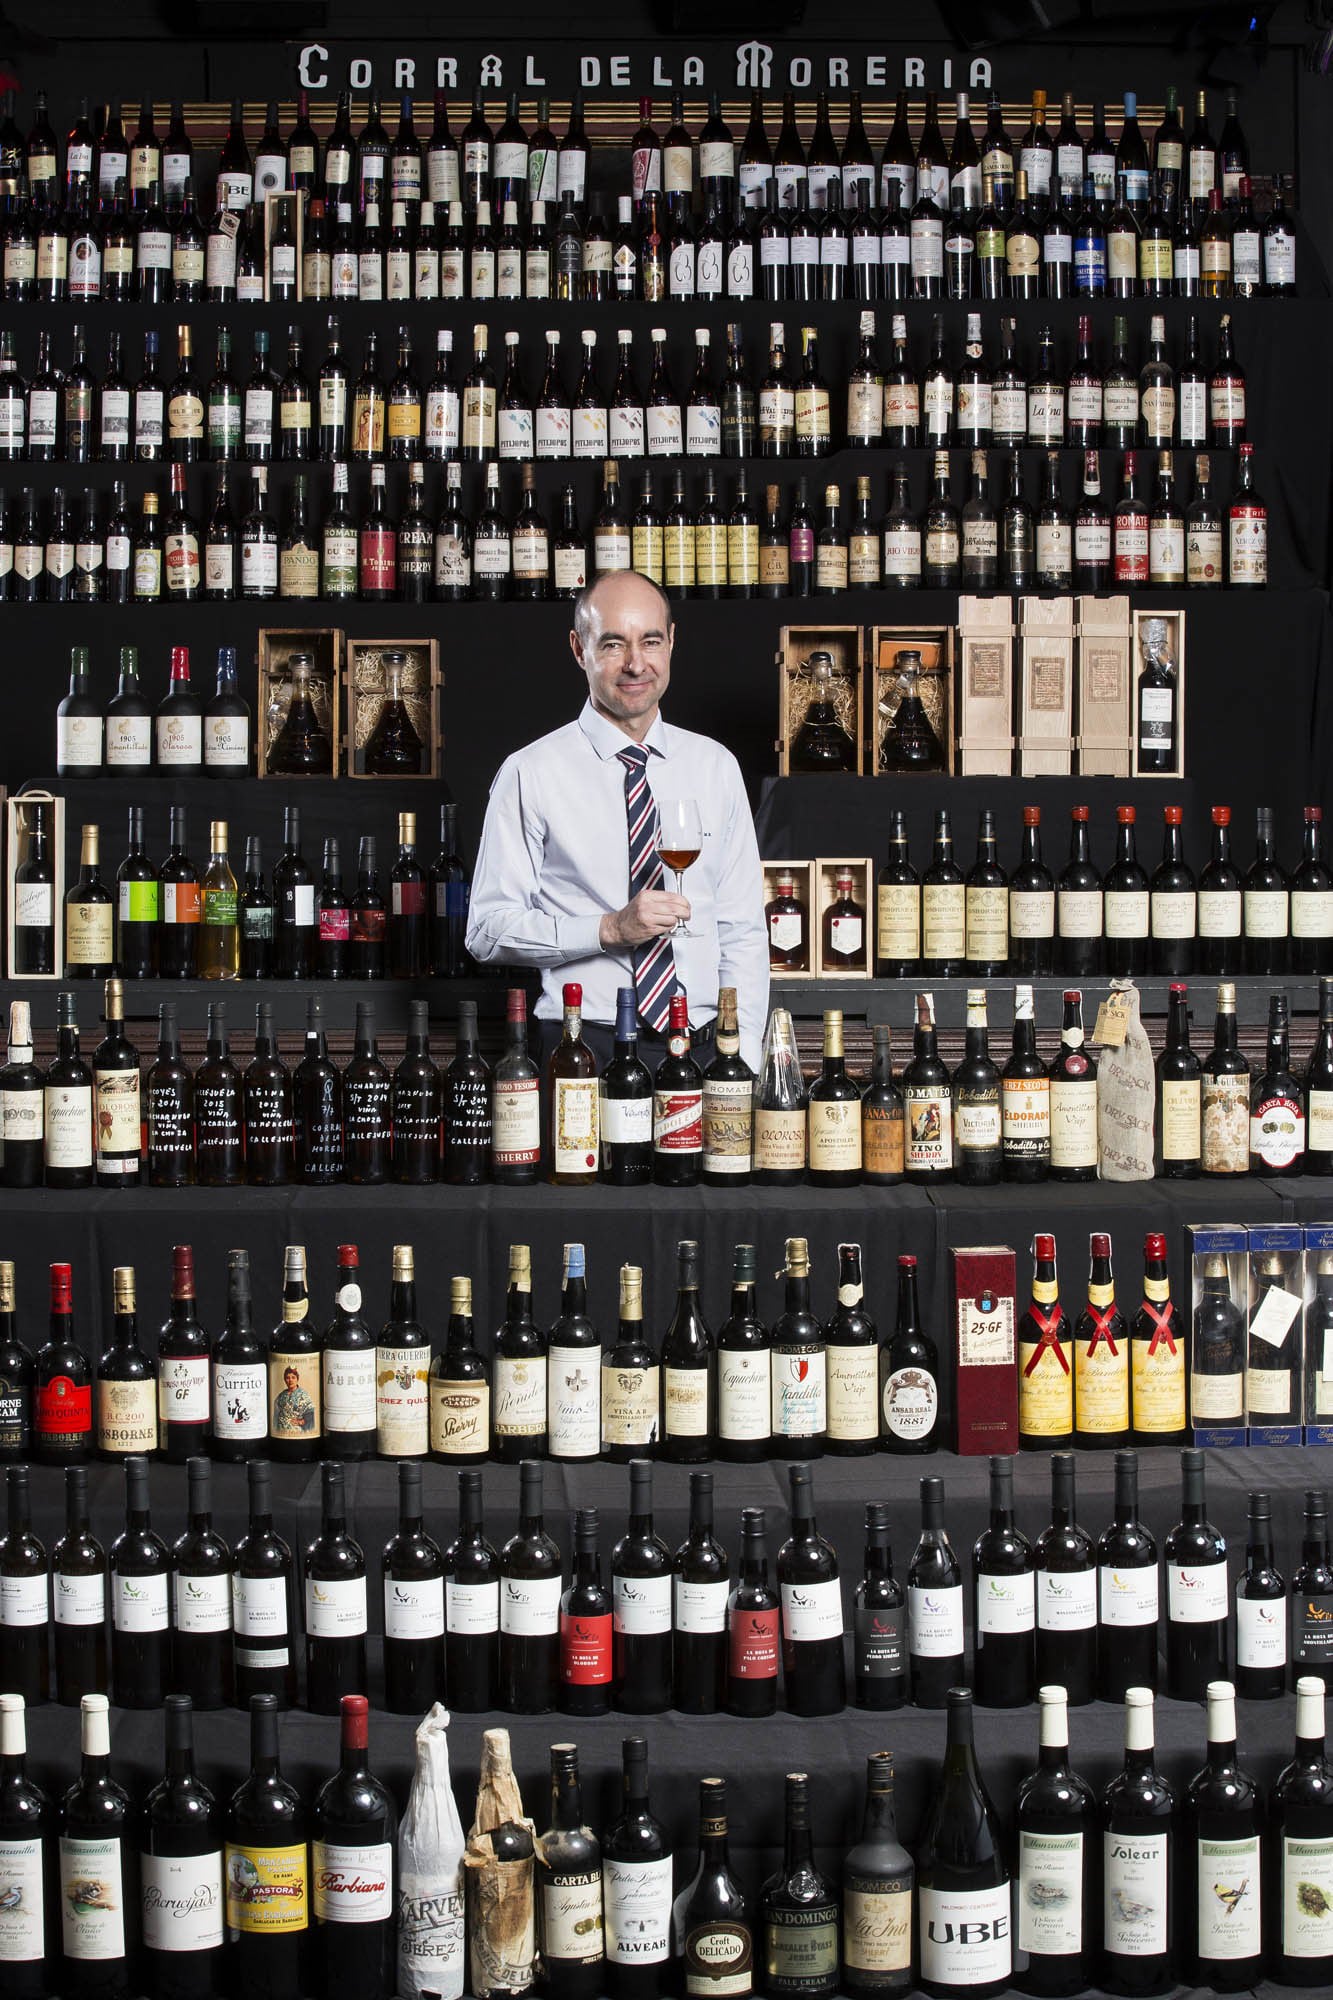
576	648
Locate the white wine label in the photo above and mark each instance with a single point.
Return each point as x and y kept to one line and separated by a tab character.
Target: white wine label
812	1611
1031	913
1219	913
402	1408
259	1607
1266	913
1261	1632
1269	1393
181	1898
413	1607
744	1394
1050	1893
1066	1600
92	1898
1196	1594
182	1389
471	1609
351	1885
139	1603
530	1606
1128	1596
520	1395
1307	1897
1312	913
126	1416
629	1404
1080	912
1229	1898
641	1604
69	1125
240	1401
1006	1603
80	1599
853	1391
1126	913
626	1121
636	1907
202	1603
348	1387
1135	1893
686	1400
1172	913
965	1936
23	1601
700	1607
22	1901
910	1402
1218	1399
335	1607
800	1403
935	1621
1272	1318
571	1919
574	1398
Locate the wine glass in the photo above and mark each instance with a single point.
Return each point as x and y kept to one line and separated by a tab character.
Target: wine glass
680	836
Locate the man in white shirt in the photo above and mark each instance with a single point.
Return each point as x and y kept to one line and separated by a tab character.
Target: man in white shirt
567	875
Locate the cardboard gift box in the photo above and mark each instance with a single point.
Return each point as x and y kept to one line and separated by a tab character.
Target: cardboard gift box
985	1280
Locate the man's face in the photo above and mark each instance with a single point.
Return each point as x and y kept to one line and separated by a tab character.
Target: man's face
626	649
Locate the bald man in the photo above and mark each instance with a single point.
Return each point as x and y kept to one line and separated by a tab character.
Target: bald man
567	875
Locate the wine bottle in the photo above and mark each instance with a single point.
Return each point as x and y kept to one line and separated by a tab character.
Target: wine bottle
1074	1097
180	1870
928	1101
812	1621
201	1601
1300	1857
799	1376
1261	1610
1127	1592
699	1609
879	1621
1045	1375
630	1379
1312	1596
1217	1359
934	1606
908	1373
353	1826
1138	1863
963	1886
585	1626
79	1594
1157	1354
335	1603
753	1620
798	1909
367	1095
1101	1357
126	1381
641	1581
744	1368
471	1606
878	1944
1275	1345
62	1386
413	1577
267	1872
852	1362
263	1596
22	1101
24	1600
519	1424
94	1876
569	1888
882	1116
432	1956
1197	1597
779	1107
1066	1593
626	1103
1222	1890
402	1363
1004	1600
460	1388
1058	1825
529	1660
347	1368
270	1135
183	1405
833	1112
573	1370
688	1427
466	1086
501	1900
238	1374
27	1822
636	1887
711	1931
976	1102
140	1618
516	1110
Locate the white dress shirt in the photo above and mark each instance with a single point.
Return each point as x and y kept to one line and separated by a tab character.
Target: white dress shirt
554	859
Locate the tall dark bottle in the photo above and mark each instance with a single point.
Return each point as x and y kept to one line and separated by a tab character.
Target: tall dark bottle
25	1612
347	1385
201	1599
335	1603
909	1394
267	1871
1066	1593
1127	1592
626	1106
963	1888
798	1908
699	1609
530	1578
688	1430
636	1887
27	1827
1197	1598
519	1417
1261	1611
1004	1600
182	1367
180	1870
878	1934
263	1600
96	1937
1301	1825
471	1606
753	1622
798	1364
934	1606
1058	1829
812	1622
79	1594
140	1614
238	1373
353	1827
711	1928
1138	1863
413	1577
62	1390
879	1621
585	1625
1312	1595
1222	1874
641	1591
569	1888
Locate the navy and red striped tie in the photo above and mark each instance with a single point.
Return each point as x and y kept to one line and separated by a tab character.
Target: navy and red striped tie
655	962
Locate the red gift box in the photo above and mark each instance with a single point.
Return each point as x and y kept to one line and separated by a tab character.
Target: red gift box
985	1324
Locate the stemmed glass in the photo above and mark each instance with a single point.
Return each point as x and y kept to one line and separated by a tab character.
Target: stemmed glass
680	836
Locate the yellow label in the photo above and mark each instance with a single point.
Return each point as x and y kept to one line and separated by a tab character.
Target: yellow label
88	933
1046	1395
943	920
460	1417
293	1396
404	420
1181	1120
1159	1386
1101	1389
986	924
899	929
835	1136
266	1889
710	554
127	1416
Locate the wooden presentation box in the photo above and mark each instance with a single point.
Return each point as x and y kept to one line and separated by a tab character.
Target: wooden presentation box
20	820
935	644
275	690
1102	715
422	683
1163	632
804	891
985	687
846	645
863	890
1046	687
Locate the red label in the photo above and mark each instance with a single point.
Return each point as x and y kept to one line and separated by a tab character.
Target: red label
64	1409
379	559
334	926
409	899
753	1650
367	926
1131	548
678	1121
802	545
585	1650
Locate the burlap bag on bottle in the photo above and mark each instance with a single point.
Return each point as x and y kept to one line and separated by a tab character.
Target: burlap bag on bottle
501	1908
1126	1090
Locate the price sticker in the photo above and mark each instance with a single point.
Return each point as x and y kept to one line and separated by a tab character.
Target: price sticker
1112	1021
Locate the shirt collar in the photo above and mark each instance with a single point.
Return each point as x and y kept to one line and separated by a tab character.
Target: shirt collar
608	741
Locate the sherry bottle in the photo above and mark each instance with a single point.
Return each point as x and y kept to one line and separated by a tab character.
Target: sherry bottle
263	1600
963	1888
699	1609
353	1826
1301	1821
569	1888
95	1936
641	1586
1261	1610
573	1369
1101	1357
1058	1825
585	1626
79	1599
878	1940
27	1823
688	1371
1223	1835
1003	1601
798	1909
266	1847
530	1582
335	1604
201	1599
636	1887
25	1612
471	1606
711	1929
180	1870
909	1396
1139	1818
1197	1597
812	1620
1157	1354
459	1389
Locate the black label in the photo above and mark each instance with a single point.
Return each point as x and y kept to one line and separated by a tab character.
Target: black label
880	1651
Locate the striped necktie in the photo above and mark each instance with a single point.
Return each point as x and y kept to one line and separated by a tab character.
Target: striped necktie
655	962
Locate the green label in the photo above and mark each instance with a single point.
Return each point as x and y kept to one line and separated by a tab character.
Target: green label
220	906
138	902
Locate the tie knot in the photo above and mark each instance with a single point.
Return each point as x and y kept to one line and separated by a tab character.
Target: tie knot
635	758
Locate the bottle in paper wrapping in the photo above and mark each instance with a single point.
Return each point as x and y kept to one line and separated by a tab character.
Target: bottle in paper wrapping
499	1869
431	1954
1125	1097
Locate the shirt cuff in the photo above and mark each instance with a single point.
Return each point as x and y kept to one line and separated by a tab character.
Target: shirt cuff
582	939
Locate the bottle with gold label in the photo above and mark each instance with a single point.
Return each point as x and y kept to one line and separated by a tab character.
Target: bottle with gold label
402	1362
267	1866
834	1115
928	1140
1101	1357
799	1364
294	1370
460	1388
882	1118
573	1098
898	908
1179	1095
852	1362
630	1379
728	1103
1157	1354
89	915
1045	1366
877	1877
126	1394
519	1421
